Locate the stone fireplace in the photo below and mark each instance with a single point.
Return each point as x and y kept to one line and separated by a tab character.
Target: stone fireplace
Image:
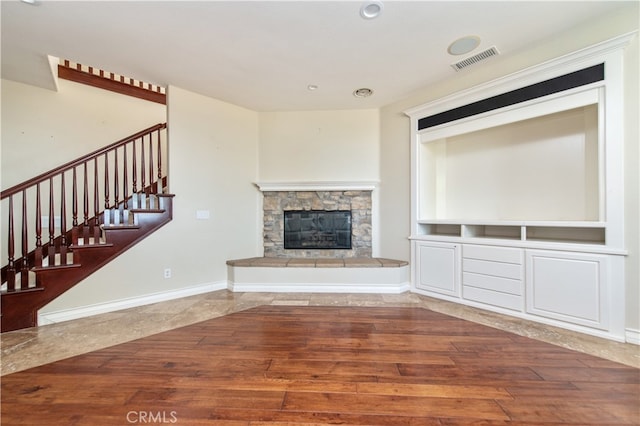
278	198
354	270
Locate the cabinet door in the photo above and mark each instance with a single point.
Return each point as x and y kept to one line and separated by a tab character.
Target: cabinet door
438	268
571	287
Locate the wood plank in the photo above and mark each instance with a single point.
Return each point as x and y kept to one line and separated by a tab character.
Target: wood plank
571	412
409	406
469	374
440	390
282	365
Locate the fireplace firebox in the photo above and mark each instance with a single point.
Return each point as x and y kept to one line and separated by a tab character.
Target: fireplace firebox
317	229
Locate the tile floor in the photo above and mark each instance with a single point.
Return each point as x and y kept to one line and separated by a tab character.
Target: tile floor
31	347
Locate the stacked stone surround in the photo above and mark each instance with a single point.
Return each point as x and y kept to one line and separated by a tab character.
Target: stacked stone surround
276	202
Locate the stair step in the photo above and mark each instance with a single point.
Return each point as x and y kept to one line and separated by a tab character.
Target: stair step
111	227
19	290
57	260
117	216
120	217
55	267
142	201
89	242
18	287
90	246
147	210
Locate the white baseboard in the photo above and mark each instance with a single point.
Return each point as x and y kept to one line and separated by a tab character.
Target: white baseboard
320	288
632	336
102	308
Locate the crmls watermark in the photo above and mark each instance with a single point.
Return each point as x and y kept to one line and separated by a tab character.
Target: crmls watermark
147	417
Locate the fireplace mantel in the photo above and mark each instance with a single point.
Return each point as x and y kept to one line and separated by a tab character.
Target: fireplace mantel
318	186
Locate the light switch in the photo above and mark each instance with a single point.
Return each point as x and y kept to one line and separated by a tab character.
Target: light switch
203	214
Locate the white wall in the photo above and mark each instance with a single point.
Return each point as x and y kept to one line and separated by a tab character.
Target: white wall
396	136
395	181
42	129
319	146
213	151
212	163
322	146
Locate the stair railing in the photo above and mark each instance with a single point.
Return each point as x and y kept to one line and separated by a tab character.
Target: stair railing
109	81
131	167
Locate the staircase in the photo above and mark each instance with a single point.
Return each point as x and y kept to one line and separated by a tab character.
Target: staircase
117	198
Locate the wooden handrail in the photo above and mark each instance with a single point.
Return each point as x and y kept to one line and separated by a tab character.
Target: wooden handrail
68	166
112	82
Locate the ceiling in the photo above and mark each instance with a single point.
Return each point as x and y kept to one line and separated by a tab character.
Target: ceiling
263	55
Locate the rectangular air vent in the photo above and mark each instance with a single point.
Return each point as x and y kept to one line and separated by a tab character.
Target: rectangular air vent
485	54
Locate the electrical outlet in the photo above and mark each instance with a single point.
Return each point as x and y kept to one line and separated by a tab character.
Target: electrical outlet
167	273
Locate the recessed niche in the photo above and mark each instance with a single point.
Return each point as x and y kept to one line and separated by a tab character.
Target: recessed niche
539	169
492	231
566	235
442	229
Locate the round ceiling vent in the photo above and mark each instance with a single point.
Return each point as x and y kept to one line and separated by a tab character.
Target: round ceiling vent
463	45
371	9
363	92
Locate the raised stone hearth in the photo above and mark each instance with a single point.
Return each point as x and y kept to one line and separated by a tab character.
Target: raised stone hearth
318	275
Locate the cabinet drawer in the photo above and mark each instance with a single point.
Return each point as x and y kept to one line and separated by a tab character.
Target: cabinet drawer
495	298
494	254
496	269
488	282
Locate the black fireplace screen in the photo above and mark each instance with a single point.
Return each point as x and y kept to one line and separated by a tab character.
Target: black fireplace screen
317	229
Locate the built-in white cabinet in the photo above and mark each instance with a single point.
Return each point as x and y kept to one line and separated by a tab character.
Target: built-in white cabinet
517	194
438	268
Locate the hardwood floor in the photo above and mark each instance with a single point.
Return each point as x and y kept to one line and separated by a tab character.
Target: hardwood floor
326	365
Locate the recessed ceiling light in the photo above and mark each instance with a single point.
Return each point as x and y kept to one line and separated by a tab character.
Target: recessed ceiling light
363	92
371	9
312	87
463	45
33	2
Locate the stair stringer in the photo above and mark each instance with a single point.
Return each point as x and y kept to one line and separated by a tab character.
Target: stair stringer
20	309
